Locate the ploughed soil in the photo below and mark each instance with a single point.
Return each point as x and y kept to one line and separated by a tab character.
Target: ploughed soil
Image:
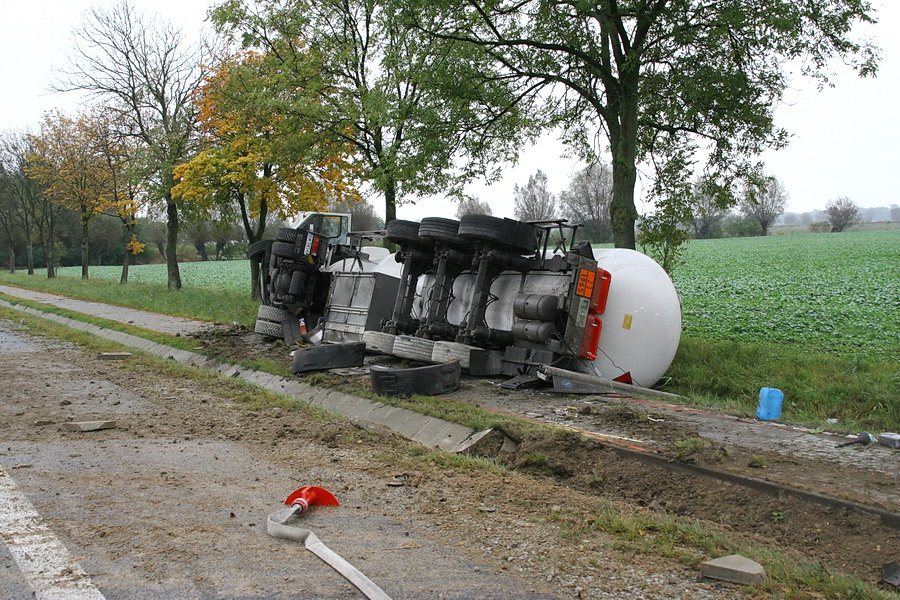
849	540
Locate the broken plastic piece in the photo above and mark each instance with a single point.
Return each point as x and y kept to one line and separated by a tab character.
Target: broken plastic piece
429	380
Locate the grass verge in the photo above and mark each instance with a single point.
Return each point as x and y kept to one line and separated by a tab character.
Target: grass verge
690	541
205	304
182	343
859	392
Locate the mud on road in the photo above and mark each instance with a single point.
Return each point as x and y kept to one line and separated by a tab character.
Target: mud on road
172	502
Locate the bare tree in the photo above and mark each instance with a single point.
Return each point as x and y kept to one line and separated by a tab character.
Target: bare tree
842	213
362	214
10	232
26	194
534	202
472	205
707	213
764	202
587	200
146	74
199	234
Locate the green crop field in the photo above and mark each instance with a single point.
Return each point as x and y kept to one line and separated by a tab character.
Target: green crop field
832	292
231	275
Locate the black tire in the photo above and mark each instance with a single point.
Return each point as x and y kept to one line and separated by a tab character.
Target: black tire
437	229
413	348
257	250
429	380
269	329
403	232
482	228
283	249
516	237
377	341
286	234
450	351
272	313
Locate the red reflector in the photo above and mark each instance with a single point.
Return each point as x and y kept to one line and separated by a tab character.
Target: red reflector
600	292
624	378
591	340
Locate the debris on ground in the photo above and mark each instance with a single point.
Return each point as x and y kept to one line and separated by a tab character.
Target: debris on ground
114	355
82	426
735	569
864	437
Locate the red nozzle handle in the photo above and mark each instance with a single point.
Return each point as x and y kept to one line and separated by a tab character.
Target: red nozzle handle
310	496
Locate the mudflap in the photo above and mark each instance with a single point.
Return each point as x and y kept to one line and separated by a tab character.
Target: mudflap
430	380
329	356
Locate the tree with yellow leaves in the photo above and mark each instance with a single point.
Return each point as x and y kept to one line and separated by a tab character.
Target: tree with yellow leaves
255	161
67	160
128	193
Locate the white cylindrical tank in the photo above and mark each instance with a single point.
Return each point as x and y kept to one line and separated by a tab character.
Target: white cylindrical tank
641	324
642	321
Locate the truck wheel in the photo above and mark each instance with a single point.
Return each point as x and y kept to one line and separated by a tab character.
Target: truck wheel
257	250
286	234
272	313
437	229
377	341
413	348
450	351
269	329
283	249
403	232
489	229
483	228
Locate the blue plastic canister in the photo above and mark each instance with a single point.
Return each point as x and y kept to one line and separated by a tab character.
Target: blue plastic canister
770	400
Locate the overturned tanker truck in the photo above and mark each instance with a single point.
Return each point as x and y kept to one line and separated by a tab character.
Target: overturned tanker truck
498	296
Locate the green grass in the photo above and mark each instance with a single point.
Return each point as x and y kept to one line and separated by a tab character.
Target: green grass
860	392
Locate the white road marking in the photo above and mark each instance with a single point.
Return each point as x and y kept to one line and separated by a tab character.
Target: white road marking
44	561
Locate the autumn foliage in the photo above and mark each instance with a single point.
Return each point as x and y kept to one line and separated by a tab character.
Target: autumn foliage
255	158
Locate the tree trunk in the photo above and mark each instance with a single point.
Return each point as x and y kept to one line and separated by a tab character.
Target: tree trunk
126	262
623	131
12	260
29	251
390	208
84	250
49	257
174	276
253	236
255	282
390	200
201	250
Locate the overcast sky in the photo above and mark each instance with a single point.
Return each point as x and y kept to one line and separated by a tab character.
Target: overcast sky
844	143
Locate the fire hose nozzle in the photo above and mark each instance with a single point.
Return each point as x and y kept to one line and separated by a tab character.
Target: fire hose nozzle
863	438
311	495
